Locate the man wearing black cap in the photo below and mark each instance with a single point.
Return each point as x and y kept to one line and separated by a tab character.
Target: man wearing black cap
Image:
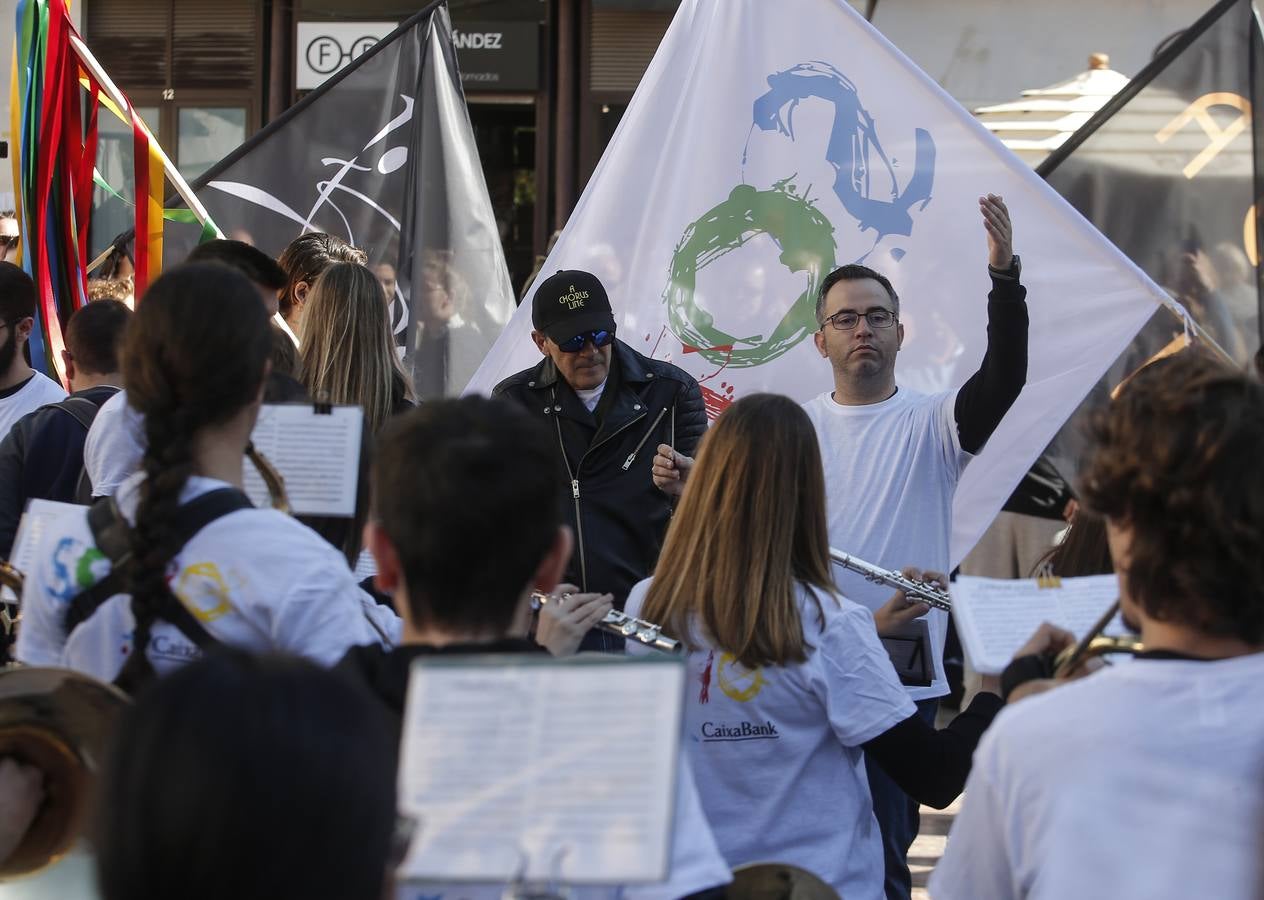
610	407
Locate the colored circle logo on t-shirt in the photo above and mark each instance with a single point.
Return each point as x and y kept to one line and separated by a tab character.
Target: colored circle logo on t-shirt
736	681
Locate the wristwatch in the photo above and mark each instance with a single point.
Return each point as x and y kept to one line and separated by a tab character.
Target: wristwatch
1012	271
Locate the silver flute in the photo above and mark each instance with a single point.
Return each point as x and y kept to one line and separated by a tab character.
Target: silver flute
625	626
914	590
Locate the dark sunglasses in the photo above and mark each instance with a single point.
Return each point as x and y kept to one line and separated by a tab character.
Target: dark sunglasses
9	240
575	344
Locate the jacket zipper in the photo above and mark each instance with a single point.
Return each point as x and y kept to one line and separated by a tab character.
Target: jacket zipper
579	523
574	476
627	463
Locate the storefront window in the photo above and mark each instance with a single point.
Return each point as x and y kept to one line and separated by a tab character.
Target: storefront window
110	215
205	135
459	9
505	134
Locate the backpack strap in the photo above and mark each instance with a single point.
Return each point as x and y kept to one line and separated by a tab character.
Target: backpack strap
81	409
112	534
83	488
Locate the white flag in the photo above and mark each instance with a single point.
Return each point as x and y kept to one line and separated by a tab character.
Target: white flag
770	142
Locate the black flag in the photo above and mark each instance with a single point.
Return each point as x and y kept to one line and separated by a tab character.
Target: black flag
383	156
1170	171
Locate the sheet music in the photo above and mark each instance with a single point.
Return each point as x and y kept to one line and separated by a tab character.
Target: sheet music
996	616
317	454
565	766
40	517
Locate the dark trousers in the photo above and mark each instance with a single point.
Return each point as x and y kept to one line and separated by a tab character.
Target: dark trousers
897	818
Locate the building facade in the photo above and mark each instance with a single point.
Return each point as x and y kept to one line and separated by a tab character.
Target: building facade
547	81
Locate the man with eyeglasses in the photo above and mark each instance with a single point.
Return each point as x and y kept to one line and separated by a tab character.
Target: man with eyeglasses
893	458
609	408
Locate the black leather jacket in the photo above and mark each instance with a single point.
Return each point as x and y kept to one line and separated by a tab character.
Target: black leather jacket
618	515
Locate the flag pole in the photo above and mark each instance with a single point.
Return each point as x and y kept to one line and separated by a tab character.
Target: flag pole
1192	327
173	174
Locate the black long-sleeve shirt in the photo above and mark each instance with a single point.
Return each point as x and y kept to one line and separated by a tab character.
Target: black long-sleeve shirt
931	766
989	393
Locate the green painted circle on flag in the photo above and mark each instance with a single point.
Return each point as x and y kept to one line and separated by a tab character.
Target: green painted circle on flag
806	239
84	576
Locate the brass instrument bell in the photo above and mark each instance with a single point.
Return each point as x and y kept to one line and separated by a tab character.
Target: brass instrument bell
58	721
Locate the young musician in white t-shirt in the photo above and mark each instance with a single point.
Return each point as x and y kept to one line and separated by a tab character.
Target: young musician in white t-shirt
22	389
893	457
460	550
792	690
194	361
116	440
1143	780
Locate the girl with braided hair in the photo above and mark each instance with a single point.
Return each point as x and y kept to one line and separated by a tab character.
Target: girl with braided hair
194	364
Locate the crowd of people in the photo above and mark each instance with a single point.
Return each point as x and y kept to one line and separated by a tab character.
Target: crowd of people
259	757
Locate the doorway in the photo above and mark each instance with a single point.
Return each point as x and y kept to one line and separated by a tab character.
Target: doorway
505	135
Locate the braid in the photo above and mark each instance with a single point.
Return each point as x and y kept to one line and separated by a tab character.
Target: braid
194	358
168	463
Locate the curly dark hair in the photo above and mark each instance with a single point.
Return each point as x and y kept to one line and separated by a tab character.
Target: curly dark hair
1178	459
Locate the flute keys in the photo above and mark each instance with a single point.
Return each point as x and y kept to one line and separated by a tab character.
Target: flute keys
648	635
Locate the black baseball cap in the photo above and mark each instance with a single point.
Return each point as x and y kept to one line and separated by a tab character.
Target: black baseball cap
571	302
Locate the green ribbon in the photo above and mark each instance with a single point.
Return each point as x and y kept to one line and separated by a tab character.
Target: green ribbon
184	216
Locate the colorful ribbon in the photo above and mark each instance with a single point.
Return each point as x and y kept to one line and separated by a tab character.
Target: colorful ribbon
54	172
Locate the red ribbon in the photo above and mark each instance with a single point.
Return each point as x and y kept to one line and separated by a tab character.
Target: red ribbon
49	146
140	164
83	174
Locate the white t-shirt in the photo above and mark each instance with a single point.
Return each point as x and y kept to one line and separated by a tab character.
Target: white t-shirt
38	390
256	579
776	752
115	445
1143	780
890	472
695	863
592	397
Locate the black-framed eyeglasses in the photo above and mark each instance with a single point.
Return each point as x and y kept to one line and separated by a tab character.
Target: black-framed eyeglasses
575	344
848	320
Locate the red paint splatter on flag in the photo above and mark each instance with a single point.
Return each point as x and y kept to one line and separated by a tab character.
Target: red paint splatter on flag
704	696
717	402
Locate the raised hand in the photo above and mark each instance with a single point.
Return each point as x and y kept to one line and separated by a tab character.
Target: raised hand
1000	231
